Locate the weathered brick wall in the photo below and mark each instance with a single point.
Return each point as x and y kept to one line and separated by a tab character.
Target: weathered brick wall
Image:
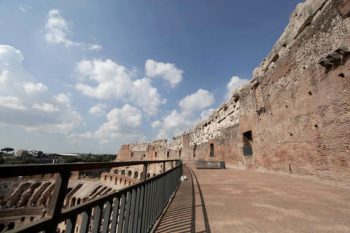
297	105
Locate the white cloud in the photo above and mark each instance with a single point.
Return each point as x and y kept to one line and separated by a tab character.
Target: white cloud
24	8
11	102
34	88
95	47
98	110
58	31
178	121
120	123
167	71
19	109
197	101
235	83
105	79
146	96
206	113
45	107
4	77
156	124
63	99
9	56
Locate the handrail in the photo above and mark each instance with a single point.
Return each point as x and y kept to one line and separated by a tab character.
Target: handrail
33	169
130	207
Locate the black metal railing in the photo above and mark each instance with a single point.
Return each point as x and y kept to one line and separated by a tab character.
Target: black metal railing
131	209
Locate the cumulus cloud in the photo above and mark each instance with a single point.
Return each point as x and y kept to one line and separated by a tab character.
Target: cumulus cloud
45	107
156	124
167	71
235	83
120	123
206	113
197	101
11	102
34	88
177	122
58	31
107	80
20	108
98	110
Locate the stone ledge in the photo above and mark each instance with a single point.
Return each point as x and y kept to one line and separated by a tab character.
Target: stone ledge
203	164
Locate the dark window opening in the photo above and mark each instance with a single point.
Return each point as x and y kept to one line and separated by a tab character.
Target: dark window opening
167	154
155	154
211	150
144	155
194	151
179	153
310	93
247	143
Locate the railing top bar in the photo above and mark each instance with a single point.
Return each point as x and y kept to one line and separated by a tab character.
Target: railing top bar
33	169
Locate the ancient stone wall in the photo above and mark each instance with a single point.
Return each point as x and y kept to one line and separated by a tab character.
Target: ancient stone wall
294	114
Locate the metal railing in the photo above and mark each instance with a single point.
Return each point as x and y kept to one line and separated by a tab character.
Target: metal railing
131	209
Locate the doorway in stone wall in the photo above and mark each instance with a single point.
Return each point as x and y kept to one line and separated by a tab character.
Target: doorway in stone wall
211	153
247	143
194	150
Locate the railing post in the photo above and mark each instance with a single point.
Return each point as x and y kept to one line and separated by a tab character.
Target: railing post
57	199
145	172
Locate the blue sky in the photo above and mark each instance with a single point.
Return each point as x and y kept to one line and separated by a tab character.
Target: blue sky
88	76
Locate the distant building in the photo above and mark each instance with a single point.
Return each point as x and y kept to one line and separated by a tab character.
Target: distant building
22	153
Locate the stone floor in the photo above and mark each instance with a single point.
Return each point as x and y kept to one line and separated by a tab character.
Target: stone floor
245	201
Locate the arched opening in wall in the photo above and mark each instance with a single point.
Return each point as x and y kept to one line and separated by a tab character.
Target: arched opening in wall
73	201
247	143
132	154
120	181
148	175
124	182
155	154
167	154
32	219
116	180
211	150
129	173
79	201
136	175
123	172
105	177
129	183
22	219
110	178
194	150
144	155
11	226
179	153
116	171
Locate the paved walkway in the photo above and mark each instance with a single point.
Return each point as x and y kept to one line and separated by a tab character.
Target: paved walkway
245	201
